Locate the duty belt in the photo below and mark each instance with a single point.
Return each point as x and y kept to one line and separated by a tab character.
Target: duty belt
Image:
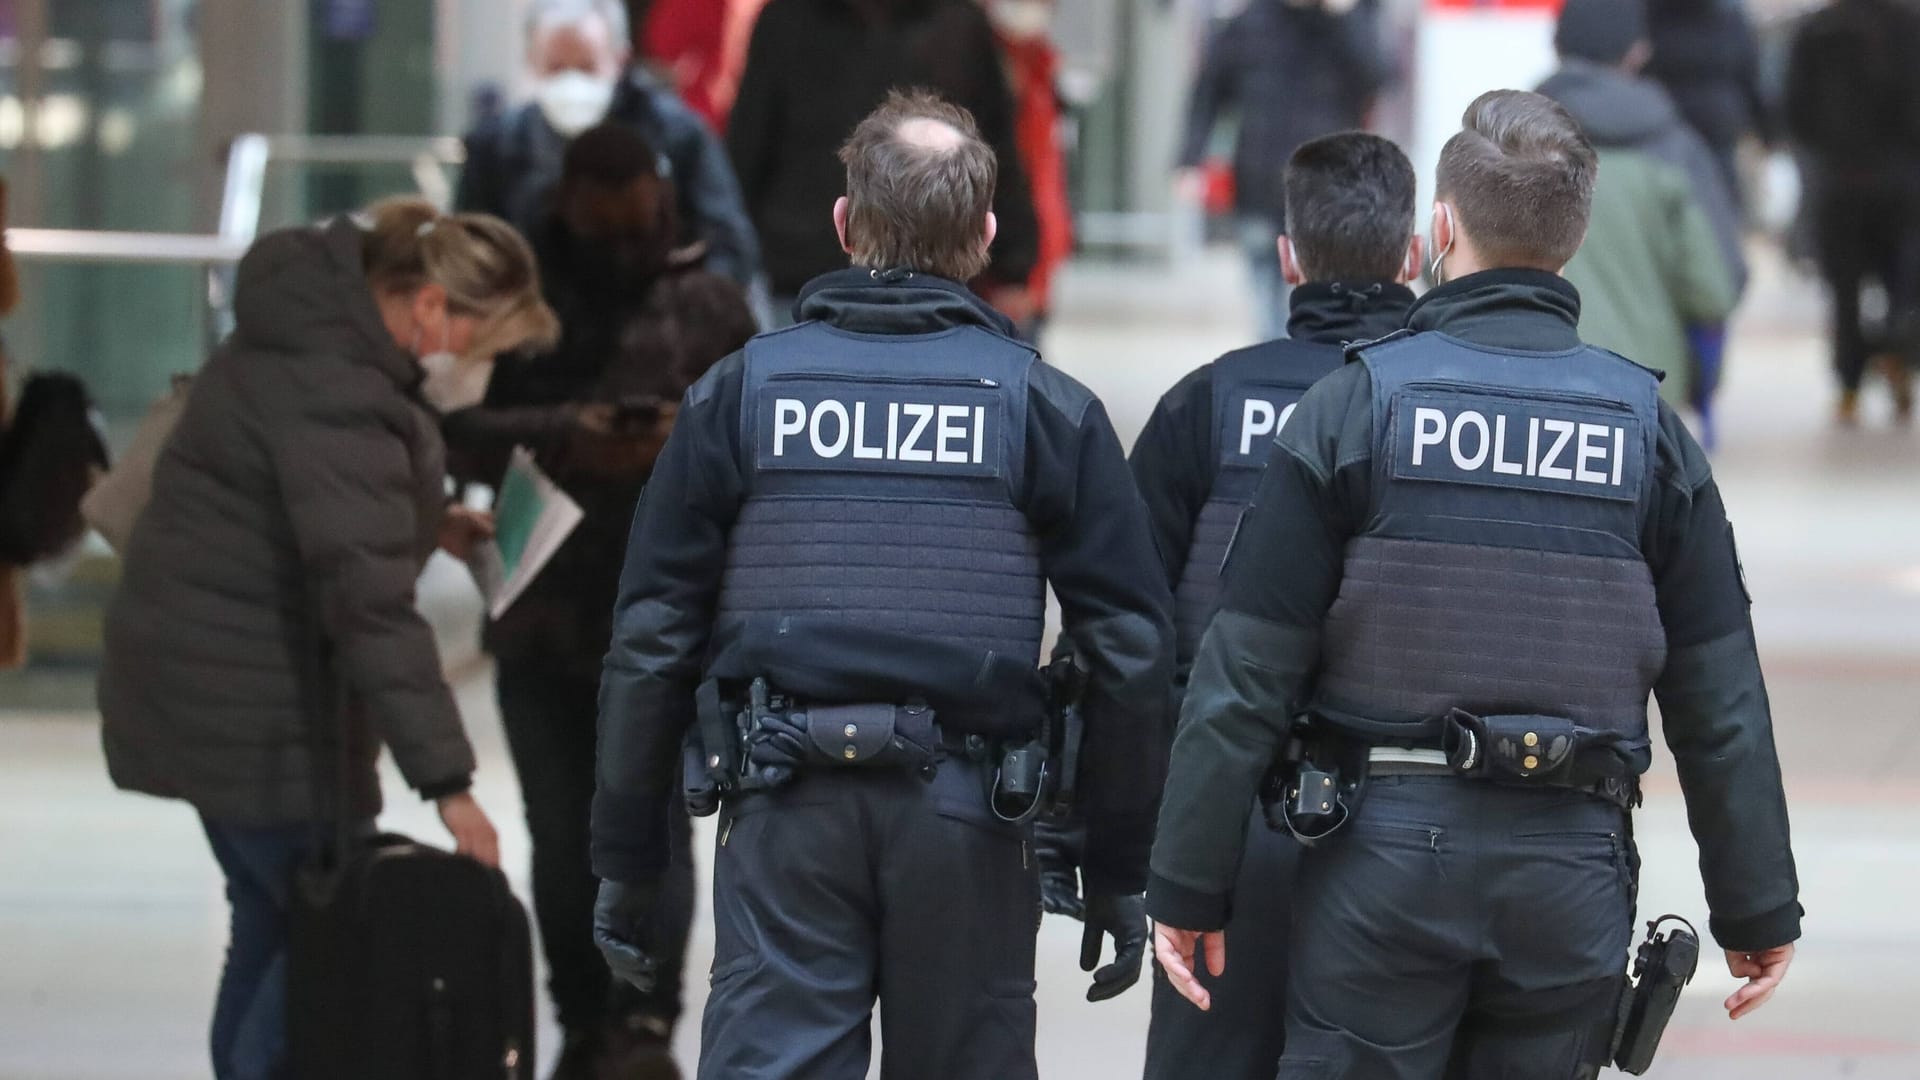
1522	749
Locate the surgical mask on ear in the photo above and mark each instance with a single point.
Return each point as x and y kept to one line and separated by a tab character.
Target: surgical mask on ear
451	383
1440	253
573	101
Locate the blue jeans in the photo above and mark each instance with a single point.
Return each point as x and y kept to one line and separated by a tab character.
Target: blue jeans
1259	241
249	1016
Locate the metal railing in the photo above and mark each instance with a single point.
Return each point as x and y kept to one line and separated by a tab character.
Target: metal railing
242	196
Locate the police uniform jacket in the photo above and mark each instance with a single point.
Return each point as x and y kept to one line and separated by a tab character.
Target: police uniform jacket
958	475
1273	637
1200	454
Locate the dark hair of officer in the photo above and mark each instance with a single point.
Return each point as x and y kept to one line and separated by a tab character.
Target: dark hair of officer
1350	207
919	188
1520	175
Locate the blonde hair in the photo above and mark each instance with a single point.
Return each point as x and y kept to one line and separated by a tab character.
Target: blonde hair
486	268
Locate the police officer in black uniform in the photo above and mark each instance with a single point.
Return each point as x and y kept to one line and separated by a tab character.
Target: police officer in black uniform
1475	551
1349	250
850	531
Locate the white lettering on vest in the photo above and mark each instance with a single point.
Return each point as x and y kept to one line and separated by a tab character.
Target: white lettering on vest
922	415
1500	462
839	413
1548	469
1465	463
953	420
789	418
860	448
1423	436
1591	452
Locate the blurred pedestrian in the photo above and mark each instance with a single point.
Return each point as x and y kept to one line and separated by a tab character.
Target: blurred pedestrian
815	68
641	321
1662	256
578	53
1291	70
1853	112
291	512
1705	54
1024	29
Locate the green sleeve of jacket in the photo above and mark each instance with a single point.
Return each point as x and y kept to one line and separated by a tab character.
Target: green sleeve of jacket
1701	283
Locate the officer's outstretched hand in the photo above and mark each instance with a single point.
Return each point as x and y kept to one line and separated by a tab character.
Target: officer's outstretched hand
1175	950
1125	918
1763	972
620	920
1057	847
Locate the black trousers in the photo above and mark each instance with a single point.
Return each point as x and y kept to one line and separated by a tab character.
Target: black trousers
1461	930
551	719
1241	1036
1867	234
856	885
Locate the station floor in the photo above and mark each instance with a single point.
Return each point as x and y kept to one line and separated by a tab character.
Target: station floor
112	920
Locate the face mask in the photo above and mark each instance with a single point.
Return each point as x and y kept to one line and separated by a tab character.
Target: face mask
451	383
1440	253
1022	20
573	101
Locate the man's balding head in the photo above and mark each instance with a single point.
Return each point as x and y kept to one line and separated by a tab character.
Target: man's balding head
919	189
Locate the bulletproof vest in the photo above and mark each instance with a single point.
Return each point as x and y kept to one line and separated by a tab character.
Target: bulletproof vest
1254	392
1500	568
881	483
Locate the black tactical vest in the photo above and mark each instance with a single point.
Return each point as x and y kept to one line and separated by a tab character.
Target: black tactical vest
881	479
1254	391
1500	569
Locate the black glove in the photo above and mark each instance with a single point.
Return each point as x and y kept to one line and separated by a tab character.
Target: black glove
1057	846
1124	917
621	918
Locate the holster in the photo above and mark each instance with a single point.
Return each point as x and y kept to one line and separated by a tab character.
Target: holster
710	754
1315	784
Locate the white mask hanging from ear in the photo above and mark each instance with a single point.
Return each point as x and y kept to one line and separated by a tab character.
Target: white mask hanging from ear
1440	253
451	383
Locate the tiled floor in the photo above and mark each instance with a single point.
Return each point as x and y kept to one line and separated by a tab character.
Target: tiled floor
111	920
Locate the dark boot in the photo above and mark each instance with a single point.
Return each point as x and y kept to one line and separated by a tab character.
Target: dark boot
580	1056
639	1047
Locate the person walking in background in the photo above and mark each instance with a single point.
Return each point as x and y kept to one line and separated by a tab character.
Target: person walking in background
292	510
578	53
1662	267
1852	110
641	321
1705	55
1291	70
1033	69
814	69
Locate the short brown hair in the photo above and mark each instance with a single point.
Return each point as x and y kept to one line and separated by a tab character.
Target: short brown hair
919	187
1520	173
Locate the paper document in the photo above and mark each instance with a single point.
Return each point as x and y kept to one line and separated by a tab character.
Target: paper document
532	518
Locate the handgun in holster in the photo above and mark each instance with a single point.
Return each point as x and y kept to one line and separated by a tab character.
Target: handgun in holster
710	754
1040	776
1664	964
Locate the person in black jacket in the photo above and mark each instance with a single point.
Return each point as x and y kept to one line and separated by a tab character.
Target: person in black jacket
1349	252
1475	551
1853	112
641	321
837	574
579	52
1291	70
1705	54
814	69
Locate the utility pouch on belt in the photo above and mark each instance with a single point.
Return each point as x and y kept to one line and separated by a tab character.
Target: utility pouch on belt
1663	966
1508	747
893	736
709	757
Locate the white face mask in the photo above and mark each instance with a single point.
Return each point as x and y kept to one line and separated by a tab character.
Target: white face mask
451	383
573	101
1022	19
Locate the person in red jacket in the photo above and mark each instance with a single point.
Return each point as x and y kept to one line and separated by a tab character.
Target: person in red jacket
1033	67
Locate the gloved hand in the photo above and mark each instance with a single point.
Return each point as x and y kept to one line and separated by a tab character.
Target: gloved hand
1057	846
777	747
621	917
1125	918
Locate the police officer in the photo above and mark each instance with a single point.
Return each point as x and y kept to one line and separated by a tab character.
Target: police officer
851	529
1348	252
1475	551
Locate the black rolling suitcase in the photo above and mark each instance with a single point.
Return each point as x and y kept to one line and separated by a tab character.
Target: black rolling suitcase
405	962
